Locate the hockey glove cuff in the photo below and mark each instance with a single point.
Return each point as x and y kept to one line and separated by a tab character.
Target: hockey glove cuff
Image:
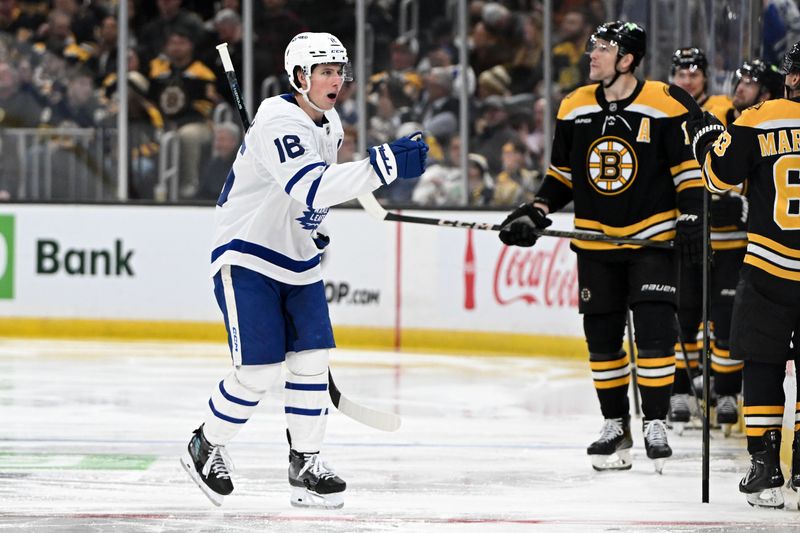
689	238
404	158
703	131
518	228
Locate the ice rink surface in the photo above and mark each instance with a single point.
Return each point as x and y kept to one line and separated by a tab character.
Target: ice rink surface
92	432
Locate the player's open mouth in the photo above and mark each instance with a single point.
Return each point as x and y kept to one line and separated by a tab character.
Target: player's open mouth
332	97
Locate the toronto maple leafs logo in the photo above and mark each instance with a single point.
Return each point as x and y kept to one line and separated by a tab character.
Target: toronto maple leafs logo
312	218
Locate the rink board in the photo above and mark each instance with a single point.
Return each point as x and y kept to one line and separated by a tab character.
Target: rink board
142	272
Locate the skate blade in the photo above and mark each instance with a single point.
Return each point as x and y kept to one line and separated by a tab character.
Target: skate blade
188	465
767	498
302	497
727	429
621	460
658	465
678	428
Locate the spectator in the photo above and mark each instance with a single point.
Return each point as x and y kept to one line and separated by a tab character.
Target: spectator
153	36
480	182
402	59
275	26
494	38
145	125
79	108
438	110
227	139
346	105
516	183
17	110
80	167
442	183
570	63
56	37
492	132
83	19
104	56
19	24
184	90
781	28
391	108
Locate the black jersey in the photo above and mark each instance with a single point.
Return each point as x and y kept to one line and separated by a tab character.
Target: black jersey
624	164
764	145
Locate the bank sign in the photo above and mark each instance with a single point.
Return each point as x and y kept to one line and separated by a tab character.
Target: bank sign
6	257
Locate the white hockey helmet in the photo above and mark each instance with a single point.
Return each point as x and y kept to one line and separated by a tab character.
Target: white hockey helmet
308	49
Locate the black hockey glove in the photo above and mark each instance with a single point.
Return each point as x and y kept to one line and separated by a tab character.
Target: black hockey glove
689	238
729	209
518	227
703	131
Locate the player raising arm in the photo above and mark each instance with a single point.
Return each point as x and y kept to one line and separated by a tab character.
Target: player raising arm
621	155
763	146
266	267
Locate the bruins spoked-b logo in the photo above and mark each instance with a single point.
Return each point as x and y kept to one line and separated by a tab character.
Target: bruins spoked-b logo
611	165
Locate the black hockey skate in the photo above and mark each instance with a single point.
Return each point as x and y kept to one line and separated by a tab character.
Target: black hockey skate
655	442
727	413
209	466
314	483
679	412
612	451
762	483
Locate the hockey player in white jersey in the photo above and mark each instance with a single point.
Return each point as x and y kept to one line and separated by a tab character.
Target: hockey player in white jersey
266	267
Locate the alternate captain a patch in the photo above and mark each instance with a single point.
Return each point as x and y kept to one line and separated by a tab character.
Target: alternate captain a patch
611	165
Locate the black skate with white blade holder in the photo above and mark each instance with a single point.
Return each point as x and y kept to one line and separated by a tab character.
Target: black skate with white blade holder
763	482
209	466
314	483
794	480
727	413
655	442
612	451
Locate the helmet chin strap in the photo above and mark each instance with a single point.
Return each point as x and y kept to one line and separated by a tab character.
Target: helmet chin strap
617	74
304	94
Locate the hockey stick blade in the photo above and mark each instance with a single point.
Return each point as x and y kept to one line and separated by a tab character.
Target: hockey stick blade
373	208
373	418
686	100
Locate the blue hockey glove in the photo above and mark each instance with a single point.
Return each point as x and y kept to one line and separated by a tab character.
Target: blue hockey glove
689	238
518	227
404	158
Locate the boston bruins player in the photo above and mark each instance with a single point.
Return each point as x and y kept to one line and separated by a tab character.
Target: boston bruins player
621	155
755	82
763	145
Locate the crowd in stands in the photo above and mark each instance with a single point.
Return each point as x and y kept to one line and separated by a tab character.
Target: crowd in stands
58	69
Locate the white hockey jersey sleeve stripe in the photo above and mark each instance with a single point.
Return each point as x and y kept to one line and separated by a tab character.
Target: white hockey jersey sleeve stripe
266	254
300	174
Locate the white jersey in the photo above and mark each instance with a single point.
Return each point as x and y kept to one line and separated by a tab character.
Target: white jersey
284	179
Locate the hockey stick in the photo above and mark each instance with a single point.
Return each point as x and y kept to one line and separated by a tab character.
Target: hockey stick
634	379
695	112
370	417
376	210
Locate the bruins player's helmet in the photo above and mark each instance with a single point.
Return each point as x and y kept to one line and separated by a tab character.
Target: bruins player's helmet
766	75
691	58
629	37
791	61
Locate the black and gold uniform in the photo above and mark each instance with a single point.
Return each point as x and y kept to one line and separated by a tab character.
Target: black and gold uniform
763	145
728	241
182	94
625	164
